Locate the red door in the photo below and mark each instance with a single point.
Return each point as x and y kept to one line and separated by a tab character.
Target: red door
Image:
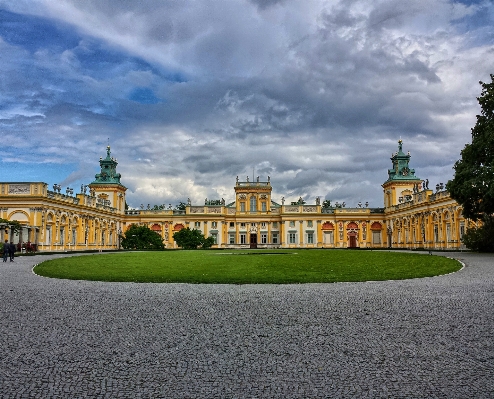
352	241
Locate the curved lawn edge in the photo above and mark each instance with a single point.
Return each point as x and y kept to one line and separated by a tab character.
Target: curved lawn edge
203	267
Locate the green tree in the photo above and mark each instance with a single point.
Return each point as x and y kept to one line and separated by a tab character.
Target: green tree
473	183
480	238
14	225
141	237
192	239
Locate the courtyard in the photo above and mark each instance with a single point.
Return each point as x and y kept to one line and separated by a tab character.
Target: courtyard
421	338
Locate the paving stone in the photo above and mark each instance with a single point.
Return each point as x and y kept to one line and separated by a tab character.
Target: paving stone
421	338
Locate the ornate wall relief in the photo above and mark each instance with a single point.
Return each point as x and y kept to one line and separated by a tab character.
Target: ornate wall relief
19	188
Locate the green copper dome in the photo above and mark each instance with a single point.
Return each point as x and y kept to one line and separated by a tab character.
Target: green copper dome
401	171
108	174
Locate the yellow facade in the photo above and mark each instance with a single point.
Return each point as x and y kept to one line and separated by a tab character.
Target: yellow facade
412	217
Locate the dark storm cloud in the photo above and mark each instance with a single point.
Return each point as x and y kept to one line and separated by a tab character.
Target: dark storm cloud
191	94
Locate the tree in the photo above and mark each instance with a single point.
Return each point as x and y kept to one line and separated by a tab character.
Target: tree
14	225
480	238
141	237
192	239
473	183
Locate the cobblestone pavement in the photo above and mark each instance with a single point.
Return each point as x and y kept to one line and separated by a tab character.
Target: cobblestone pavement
422	338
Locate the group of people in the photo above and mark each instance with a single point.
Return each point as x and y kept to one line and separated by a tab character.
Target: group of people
8	251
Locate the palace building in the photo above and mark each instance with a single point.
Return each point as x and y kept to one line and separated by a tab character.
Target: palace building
413	216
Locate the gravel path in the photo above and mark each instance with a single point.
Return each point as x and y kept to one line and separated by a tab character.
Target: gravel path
422	338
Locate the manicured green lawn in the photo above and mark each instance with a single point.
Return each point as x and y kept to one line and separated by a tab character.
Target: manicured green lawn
248	267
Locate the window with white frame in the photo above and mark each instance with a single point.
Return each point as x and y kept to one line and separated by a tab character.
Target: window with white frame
263	225
264	238
214	225
292	238
376	237
328	237
274	238
232	225
253	204
197	225
242	225
243	238
231	238
263	206
242	207
310	238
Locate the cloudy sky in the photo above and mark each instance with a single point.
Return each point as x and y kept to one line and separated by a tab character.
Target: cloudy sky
190	94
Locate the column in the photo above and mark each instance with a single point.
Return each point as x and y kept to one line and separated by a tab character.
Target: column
282	234
319	237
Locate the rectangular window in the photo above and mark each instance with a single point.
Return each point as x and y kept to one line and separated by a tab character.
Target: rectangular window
263	225
232	225
214	224
253	204
48	235
376	237
197	225
275	225
242	207
231	238
242	225
243	238
264	238
274	238
263	206
310	238
329	237
292	238
462	230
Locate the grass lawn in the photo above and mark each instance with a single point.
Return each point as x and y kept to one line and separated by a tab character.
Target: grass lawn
248	267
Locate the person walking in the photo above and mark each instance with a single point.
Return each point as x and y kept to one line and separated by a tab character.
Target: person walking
6	247
11	251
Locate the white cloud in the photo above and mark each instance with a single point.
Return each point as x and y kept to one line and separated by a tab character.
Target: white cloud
314	93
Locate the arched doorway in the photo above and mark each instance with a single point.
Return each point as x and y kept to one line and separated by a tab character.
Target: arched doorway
352	234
